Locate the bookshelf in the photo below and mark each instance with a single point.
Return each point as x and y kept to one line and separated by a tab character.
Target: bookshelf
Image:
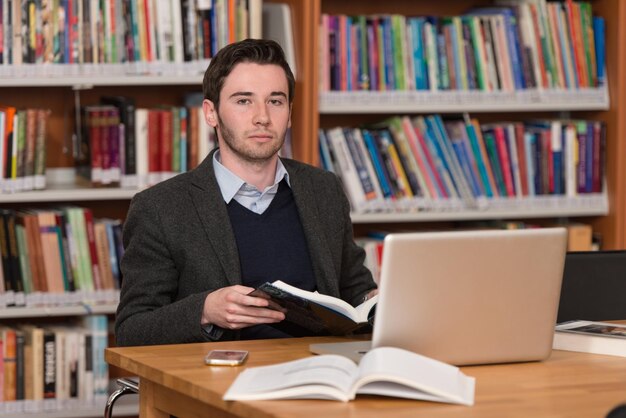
607	214
62	88
59	90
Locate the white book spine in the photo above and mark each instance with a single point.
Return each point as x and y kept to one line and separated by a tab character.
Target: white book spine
177	31
255	15
347	170
517	180
571	161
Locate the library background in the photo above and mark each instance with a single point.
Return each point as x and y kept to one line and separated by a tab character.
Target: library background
454	114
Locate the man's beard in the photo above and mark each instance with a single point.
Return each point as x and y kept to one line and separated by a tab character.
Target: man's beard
247	152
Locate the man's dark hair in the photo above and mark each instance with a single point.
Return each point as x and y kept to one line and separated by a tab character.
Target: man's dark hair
258	51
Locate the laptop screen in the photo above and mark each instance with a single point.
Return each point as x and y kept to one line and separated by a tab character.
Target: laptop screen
471	297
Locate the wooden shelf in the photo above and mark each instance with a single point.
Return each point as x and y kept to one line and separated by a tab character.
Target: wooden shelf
541	207
68	193
334	102
127	405
87	76
48	311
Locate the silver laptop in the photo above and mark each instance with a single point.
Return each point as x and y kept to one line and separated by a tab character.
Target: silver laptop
468	297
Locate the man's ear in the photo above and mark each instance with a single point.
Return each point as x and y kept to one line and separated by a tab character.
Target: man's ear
210	113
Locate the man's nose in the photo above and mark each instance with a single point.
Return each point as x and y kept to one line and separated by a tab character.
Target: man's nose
261	116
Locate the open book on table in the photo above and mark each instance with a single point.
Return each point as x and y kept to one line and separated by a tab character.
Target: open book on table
591	337
316	312
384	371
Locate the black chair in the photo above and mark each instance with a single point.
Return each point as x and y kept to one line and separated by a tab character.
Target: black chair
594	285
618	412
126	386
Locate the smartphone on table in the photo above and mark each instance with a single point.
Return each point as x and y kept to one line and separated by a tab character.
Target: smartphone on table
225	357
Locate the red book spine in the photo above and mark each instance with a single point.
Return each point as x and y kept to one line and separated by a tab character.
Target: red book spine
91	240
505	162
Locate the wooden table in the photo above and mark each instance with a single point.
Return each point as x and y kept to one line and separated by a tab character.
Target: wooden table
174	380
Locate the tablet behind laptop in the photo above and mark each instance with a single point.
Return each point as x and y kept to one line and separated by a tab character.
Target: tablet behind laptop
469	297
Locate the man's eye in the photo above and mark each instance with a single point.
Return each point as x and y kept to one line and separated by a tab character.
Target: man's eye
243	101
276	102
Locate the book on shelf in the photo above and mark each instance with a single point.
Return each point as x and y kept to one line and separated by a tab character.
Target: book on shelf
91	32
591	337
53	367
278	27
316	312
384	371
510	46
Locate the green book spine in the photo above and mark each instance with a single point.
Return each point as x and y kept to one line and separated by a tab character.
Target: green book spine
398	31
27	278
492	152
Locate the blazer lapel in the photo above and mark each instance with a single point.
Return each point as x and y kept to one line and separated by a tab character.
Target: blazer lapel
213	214
321	259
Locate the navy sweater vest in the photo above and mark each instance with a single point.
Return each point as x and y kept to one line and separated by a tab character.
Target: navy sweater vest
272	246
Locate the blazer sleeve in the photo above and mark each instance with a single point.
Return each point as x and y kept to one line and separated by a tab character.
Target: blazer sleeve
149	312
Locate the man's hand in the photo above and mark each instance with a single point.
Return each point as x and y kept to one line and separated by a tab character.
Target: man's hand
371	294
232	308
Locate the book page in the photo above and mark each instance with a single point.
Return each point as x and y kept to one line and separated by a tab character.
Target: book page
330	302
363	310
319	377
396	372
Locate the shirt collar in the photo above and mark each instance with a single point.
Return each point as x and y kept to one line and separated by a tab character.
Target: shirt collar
230	183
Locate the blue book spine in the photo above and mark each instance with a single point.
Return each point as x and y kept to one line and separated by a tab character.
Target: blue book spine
372	57
600	45
557	159
514	48
480	163
454	166
67	41
359	164
444	76
468	51
419	63
377	162
381	65
434	135
463	158
213	18
112	255
390	81
327	162
557	163
349	52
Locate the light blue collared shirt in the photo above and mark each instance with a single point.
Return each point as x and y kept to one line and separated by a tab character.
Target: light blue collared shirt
247	195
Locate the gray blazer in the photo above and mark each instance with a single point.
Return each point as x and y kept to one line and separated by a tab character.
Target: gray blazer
179	246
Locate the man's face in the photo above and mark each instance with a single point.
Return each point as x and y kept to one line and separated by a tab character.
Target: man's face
253	114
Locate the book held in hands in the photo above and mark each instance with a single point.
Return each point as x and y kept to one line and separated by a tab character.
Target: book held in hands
591	337
383	371
315	312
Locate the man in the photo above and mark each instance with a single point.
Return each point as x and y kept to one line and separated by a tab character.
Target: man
198	244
